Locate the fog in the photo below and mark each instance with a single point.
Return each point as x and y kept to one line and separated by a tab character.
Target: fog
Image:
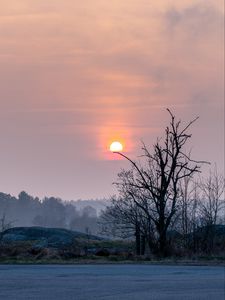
26	210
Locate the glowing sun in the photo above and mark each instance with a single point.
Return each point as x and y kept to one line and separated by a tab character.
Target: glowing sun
116	147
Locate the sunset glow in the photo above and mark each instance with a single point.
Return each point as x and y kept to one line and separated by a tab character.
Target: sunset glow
77	76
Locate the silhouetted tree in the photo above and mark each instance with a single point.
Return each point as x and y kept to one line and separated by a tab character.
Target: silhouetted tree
124	219
153	186
4	224
211	204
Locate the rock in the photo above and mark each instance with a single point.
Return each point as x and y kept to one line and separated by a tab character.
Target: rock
42	237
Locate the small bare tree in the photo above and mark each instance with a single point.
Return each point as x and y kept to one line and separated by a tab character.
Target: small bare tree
4	224
124	219
187	209
211	204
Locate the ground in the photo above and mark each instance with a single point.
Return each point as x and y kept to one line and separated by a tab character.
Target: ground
111	282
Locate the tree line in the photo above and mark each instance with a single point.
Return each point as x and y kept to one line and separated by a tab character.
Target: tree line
26	210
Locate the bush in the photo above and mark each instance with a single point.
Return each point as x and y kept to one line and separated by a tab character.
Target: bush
102	252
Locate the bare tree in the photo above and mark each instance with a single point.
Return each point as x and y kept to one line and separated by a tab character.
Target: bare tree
4	225
187	219
211	205
124	219
153	186
194	214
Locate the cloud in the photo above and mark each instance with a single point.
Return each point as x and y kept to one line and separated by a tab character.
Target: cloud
199	20
79	71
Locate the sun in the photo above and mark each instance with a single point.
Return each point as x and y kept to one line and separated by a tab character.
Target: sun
116	147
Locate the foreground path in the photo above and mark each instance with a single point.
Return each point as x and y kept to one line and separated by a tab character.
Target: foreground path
110	282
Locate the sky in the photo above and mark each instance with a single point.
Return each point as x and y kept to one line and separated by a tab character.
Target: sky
76	75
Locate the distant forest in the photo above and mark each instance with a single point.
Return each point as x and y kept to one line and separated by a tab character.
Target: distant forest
25	210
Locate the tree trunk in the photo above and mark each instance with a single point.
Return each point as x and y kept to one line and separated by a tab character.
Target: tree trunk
162	244
138	239
142	244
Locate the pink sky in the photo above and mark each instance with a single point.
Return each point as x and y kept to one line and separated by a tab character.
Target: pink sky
75	75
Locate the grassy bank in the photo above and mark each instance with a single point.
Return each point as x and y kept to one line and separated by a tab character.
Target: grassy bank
197	261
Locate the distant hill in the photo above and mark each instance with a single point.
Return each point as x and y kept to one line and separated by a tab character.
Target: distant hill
23	244
45	237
